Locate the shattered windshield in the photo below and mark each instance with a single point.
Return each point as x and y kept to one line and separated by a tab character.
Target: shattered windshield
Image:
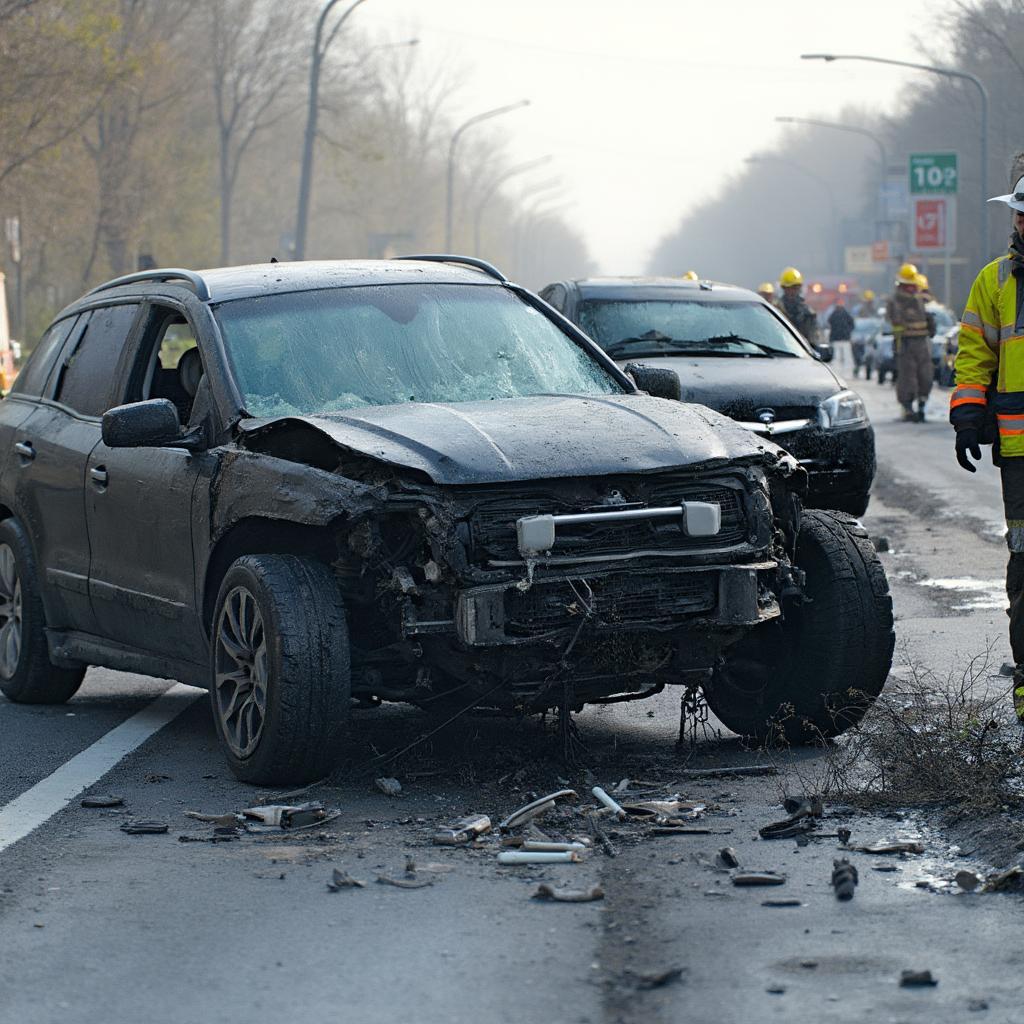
334	349
628	328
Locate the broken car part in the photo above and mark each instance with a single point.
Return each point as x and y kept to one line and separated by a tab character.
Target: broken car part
608	802
535	808
549	892
465	830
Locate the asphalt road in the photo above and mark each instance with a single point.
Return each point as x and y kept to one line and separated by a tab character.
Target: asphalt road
98	925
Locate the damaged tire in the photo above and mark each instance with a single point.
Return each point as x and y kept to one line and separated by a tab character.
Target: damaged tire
280	686
816	672
26	673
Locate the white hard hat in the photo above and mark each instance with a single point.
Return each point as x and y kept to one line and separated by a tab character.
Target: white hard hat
1015	199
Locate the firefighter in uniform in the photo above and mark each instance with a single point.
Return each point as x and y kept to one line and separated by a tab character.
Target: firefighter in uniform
767	292
867	305
912	329
793	304
987	404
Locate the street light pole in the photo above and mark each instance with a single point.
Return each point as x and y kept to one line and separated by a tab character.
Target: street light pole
456	135
948	73
495	185
308	145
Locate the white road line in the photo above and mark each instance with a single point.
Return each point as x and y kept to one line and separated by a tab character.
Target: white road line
40	803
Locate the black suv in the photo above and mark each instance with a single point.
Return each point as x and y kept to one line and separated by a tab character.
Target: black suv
736	353
300	485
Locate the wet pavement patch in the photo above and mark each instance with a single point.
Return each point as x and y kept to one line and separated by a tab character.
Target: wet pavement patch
972	594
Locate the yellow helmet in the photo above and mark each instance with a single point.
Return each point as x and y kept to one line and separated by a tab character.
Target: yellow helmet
922	282
767	288
907	274
868	296
790	276
691	275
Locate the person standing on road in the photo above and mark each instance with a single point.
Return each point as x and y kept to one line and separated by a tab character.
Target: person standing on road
912	329
840	328
767	292
793	304
867	304
987	404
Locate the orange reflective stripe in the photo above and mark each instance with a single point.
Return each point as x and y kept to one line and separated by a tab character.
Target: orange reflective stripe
955	402
971	329
967	394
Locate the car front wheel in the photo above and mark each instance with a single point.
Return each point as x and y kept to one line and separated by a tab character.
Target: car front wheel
816	672
280	685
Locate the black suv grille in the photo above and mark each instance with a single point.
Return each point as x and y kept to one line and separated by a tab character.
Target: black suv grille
624	601
493	523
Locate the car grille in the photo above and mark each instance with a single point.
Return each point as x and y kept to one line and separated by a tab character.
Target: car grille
618	601
493	523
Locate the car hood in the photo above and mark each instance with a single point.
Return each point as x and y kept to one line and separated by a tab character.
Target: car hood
739	387
530	438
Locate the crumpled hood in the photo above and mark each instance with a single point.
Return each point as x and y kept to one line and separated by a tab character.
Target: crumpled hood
534	438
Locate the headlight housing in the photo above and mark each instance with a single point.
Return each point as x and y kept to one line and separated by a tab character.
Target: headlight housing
843	411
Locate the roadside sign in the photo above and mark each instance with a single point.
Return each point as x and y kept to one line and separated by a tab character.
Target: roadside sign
934	224
933	174
859	259
880	252
894	199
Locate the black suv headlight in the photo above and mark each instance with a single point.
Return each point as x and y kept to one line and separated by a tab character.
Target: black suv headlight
843	411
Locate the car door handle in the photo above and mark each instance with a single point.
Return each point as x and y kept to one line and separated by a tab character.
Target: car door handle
25	450
99	476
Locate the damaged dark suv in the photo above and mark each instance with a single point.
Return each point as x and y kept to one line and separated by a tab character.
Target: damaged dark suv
301	485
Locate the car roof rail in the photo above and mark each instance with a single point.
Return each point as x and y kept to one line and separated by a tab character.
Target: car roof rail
469	261
169	274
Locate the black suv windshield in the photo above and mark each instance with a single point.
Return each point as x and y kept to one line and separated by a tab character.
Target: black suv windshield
340	348
646	327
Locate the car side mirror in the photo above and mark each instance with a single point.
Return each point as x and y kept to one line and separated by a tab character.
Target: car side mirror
656	381
150	424
824	351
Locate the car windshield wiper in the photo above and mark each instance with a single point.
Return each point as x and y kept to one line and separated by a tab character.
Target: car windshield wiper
726	339
650	339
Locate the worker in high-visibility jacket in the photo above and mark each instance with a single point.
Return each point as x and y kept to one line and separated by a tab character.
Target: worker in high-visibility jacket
987	405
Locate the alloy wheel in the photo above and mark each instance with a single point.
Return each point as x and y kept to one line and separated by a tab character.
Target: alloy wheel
240	674
10	613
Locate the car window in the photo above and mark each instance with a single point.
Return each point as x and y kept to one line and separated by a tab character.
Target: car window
335	349
32	379
88	377
652	326
555	295
164	367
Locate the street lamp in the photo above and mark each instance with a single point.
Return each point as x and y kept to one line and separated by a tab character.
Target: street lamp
529	165
306	174
948	73
823	182
456	135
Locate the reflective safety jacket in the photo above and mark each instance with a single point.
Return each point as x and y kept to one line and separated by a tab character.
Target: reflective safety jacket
990	358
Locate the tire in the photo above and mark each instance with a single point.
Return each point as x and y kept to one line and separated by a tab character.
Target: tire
280	628
27	675
855	504
816	673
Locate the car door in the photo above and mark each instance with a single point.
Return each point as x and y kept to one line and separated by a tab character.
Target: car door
138	511
52	451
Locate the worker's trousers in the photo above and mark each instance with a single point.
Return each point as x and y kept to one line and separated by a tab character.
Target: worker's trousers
1012	470
914	371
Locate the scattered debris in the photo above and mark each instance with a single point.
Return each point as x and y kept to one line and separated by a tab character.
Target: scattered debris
536	808
539	857
612	806
682	830
844	879
977	1005
881	544
917	979
144	828
967	880
884	867
599	835
656	979
804	807
220	820
749	769
727	858
389	787
788	828
1011	880
289	817
405	883
674	807
549	892
776	990
343	880
911	846
220	835
1007	668
843	835
463	831
102	800
541	846
781	903
758	878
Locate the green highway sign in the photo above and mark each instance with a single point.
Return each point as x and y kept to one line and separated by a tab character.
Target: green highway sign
933	174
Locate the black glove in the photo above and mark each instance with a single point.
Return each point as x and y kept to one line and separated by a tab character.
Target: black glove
967	441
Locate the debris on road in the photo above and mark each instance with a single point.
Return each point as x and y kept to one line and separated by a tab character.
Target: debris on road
220	820
758	878
844	879
389	787
884	867
536	808
843	835
967	880
145	828
781	903
287	817
1006	669
611	804
656	979
549	892
538	857
749	769
343	880
787	828
917	979
102	800
1011	880
601	837
727	858
541	846
682	830
463	831
804	807
910	846
674	807
410	880
882	544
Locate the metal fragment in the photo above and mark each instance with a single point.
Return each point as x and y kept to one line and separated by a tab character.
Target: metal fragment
611	804
537	807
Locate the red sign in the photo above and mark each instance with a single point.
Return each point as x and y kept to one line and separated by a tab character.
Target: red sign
932	228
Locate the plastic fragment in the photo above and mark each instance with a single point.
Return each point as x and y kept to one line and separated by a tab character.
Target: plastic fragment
538	857
389	787
844	879
343	880
102	800
611	804
549	892
917	979
144	828
534	809
463	831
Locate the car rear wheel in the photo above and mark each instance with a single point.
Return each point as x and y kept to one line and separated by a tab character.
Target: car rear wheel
26	673
281	682
815	673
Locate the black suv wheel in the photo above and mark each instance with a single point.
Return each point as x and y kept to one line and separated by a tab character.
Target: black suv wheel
280	674
816	673
26	673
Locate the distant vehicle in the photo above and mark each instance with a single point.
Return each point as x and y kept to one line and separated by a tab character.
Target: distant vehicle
944	344
865	329
737	354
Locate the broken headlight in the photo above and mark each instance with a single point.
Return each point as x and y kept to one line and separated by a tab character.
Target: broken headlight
843	411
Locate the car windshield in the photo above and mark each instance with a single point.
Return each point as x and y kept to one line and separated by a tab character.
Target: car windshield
629	328
340	348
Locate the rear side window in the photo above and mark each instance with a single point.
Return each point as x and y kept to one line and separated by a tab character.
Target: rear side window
32	378
88	378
